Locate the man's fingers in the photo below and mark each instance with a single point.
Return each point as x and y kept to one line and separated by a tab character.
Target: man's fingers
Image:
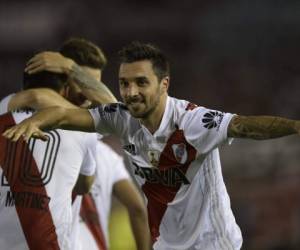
35	58
40	135
35	132
15	133
28	133
33	65
8	133
37	69
40	56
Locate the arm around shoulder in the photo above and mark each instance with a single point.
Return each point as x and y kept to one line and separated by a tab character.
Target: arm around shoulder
38	98
51	118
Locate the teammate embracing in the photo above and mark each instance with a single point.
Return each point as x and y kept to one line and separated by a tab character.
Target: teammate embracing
173	146
37	178
111	176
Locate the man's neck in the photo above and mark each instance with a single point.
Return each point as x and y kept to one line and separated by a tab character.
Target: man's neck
153	121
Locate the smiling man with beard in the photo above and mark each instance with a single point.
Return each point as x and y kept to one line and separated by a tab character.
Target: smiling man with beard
181	137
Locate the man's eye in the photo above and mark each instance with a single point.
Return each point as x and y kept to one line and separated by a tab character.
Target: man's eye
142	81
123	83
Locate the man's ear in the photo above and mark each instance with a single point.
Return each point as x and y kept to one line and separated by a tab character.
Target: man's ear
165	82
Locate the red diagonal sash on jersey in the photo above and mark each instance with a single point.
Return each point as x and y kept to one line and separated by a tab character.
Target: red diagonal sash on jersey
159	195
37	223
90	216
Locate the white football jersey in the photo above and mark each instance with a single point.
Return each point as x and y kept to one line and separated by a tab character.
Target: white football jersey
178	168
36	182
110	169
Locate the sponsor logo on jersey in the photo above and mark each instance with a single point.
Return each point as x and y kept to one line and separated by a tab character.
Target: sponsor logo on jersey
130	148
212	119
27	200
180	152
153	156
172	177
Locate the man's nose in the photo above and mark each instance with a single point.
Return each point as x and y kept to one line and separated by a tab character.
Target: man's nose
132	90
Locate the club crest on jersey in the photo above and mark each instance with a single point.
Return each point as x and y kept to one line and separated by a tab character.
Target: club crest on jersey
180	152
153	156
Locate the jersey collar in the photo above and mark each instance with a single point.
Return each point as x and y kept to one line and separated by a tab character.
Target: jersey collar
165	121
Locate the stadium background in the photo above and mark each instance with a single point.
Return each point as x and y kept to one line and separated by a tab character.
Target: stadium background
237	56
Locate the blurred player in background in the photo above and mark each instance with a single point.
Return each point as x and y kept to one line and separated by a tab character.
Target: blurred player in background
173	146
111	176
37	178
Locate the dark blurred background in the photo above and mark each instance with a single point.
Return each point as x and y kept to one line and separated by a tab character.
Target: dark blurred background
236	56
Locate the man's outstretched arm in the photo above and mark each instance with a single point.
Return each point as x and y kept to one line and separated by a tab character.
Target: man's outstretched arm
262	127
51	118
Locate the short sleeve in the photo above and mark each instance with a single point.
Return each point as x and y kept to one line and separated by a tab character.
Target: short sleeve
120	172
206	129
88	166
110	118
4	104
112	162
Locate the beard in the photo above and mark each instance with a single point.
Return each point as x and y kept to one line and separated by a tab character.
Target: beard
143	114
140	109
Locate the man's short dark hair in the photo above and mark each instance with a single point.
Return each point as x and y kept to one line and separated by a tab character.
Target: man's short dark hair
84	53
44	79
137	51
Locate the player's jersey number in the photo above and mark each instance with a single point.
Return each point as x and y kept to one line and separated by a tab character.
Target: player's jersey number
20	163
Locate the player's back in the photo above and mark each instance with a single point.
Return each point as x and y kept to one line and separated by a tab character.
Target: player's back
36	181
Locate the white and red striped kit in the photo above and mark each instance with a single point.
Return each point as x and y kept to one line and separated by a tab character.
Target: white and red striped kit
36	182
178	168
91	230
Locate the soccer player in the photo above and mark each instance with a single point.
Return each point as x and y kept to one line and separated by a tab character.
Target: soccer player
111	176
173	146
37	178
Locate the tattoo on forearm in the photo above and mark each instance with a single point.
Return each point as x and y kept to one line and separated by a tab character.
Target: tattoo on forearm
84	80
260	127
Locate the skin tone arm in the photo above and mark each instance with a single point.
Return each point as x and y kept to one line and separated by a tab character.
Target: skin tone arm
128	195
83	184
37	99
262	127
93	89
51	118
42	98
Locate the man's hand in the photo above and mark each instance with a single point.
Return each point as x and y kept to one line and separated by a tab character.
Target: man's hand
26	129
49	61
